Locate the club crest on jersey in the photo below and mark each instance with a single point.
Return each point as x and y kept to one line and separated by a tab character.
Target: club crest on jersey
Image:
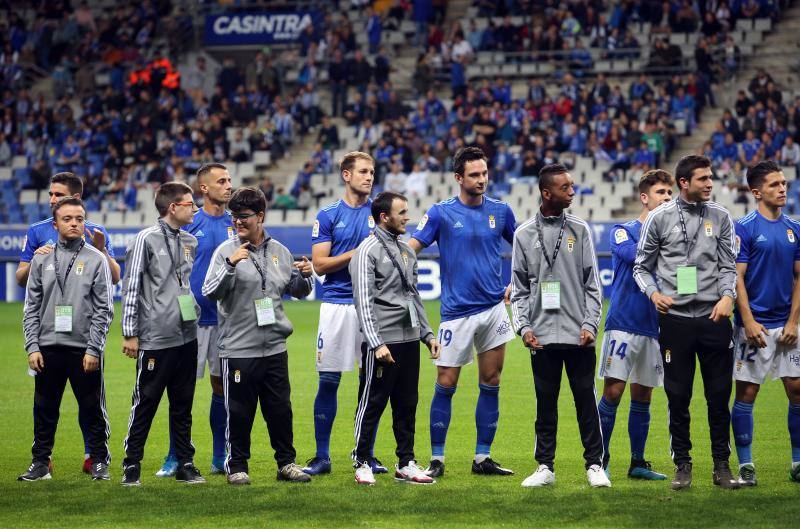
739	365
570	244
491	221
186	253
79	268
422	222
237	376
709	227
370	222
668	356
738	244
231	232
790	235
151	364
620	236
405	258
275	260
315	229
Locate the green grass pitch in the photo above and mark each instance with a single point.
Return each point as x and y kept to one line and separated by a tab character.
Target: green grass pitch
458	500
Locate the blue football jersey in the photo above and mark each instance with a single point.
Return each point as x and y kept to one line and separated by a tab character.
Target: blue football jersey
770	249
470	243
629	309
43	232
210	232
344	227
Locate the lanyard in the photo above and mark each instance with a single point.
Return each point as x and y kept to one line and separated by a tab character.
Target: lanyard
691	244
540	233
406	285
62	286
169	251
261	271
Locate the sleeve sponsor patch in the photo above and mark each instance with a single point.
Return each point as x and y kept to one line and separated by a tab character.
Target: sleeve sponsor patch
738	244
620	236
315	229
422	222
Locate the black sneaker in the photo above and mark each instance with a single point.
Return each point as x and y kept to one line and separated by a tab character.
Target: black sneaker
489	467
37	471
188	473
683	477
100	471
723	476
130	475
436	468
747	475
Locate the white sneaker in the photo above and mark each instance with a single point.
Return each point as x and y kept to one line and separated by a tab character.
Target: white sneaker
412	473
543	476
597	477
364	475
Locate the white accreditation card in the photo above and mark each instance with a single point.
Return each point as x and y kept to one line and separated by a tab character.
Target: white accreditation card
265	312
551	295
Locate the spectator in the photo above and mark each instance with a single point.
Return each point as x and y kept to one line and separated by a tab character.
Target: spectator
328	134
239	148
337	76
789	155
359	72
374	30
268	188
395	180
304	197
303	178
5	151
283	201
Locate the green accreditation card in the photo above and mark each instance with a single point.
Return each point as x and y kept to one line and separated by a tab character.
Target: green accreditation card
687	280
551	295
265	312
412	313
188	310
63	318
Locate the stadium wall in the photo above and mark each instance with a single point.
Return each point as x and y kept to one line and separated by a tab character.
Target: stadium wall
298	240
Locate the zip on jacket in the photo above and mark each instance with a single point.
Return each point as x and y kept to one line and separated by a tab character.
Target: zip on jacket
236	289
662	249
381	300
87	288
575	268
151	286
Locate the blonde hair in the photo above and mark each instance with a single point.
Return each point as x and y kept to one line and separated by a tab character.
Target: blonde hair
348	161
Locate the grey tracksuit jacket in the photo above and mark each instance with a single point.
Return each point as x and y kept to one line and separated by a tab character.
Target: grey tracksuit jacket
88	289
235	289
150	288
662	249
575	268
379	297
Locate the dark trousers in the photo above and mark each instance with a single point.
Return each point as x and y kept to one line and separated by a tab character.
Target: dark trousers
680	338
248	381
398	382
175	370
547	368
62	364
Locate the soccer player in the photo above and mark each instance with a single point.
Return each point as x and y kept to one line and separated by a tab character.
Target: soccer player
469	229
248	277
384	272
556	299
768	303
68	310
337	232
685	264
630	350
159	329
41	239
212	226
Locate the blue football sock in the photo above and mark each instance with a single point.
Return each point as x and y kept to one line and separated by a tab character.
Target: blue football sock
794	431
441	409
638	428
608	416
325	411
487	411
218	419
742	422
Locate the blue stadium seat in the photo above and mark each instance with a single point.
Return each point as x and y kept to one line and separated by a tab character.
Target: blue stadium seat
22	176
15	217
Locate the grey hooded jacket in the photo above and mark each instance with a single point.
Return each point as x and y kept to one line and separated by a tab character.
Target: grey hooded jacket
150	288
662	249
575	268
87	288
380	298
235	289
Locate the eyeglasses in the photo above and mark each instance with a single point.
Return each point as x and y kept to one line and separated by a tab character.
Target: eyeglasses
242	217
188	204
